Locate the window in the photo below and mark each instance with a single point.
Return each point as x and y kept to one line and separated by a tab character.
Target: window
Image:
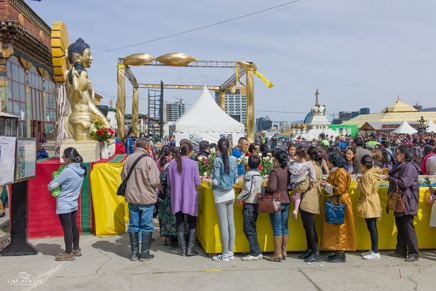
35	84
16	93
50	105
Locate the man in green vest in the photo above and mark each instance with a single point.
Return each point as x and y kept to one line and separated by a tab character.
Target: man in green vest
323	141
372	143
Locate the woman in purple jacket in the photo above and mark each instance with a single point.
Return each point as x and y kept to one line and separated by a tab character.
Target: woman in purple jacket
405	176
183	178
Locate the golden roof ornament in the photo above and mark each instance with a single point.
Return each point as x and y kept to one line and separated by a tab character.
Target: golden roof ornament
175	59
399	106
138	59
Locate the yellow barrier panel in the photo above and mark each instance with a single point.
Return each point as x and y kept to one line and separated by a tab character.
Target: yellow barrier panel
208	231
111	215
111	212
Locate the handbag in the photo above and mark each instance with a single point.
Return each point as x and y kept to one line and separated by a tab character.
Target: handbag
395	201
268	203
334	213
122	188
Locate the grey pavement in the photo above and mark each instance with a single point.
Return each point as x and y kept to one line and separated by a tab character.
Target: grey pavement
105	265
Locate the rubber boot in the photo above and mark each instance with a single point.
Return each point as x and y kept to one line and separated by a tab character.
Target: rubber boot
146	244
182	243
314	257
190	252
285	239
277	250
134	246
306	254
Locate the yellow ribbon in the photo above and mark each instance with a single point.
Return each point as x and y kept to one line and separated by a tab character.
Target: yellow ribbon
250	67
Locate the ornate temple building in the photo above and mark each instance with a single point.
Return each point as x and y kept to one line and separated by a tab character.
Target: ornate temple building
314	124
317	119
27	88
391	118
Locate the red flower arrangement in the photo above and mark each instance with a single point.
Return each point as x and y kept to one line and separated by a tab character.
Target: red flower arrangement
101	133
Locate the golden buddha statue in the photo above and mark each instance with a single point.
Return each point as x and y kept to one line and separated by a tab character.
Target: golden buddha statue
80	93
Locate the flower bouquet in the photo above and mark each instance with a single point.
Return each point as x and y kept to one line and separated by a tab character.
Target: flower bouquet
101	133
205	164
266	164
243	160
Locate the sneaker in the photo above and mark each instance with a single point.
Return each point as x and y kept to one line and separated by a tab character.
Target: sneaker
306	254
231	257
366	253
252	258
221	258
77	253
373	256
65	257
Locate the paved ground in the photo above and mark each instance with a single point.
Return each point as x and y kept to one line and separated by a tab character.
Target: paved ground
105	265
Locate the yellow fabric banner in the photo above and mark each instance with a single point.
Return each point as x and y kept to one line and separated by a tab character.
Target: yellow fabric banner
253	67
111	216
111	212
209	235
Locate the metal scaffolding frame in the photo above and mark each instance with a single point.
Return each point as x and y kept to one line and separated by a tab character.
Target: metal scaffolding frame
241	68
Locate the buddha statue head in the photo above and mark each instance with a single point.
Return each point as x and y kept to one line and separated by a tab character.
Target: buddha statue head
80	51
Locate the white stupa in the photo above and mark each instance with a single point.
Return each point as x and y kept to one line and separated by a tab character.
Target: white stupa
317	122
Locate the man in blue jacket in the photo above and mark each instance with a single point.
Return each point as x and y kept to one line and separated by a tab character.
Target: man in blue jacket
239	151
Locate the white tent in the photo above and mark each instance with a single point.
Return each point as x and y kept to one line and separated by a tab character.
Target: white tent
431	127
205	120
405	128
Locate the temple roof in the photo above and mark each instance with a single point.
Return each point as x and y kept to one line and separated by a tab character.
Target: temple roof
393	114
399	107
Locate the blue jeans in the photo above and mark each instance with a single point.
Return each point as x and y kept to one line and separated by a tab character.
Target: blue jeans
249	213
140	218
279	221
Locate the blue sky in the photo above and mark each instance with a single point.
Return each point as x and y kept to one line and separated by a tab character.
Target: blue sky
357	53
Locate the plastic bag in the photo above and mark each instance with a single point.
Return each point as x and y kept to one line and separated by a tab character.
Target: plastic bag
57	191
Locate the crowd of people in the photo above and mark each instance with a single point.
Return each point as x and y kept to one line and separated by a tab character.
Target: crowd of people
304	175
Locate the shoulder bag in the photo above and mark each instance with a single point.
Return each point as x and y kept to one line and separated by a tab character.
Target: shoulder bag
334	213
122	188
268	203
395	201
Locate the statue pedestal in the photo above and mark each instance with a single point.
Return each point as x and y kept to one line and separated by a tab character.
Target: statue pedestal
89	150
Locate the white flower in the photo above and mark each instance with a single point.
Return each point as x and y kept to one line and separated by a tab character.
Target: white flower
212	150
269	155
205	174
259	154
239	160
266	158
200	158
271	161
